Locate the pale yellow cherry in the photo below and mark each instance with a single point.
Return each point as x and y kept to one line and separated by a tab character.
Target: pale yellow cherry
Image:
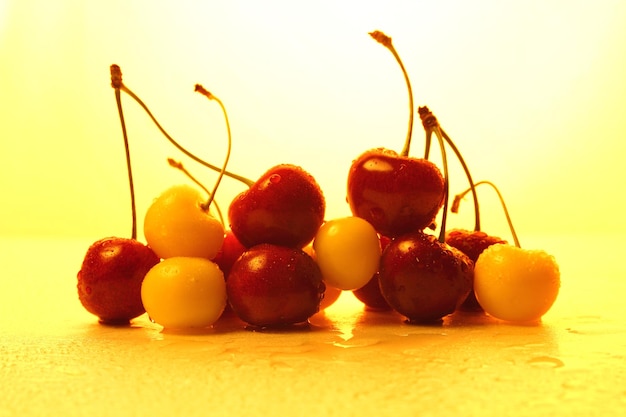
176	224
184	292
514	284
347	251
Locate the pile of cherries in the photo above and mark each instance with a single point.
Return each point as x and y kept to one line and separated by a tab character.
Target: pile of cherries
280	260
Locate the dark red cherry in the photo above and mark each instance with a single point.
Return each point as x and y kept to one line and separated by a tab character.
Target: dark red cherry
273	286
424	279
110	278
396	194
284	207
370	294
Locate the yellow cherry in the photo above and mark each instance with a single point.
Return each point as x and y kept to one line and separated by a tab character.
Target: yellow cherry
184	292
347	251
515	284
177	225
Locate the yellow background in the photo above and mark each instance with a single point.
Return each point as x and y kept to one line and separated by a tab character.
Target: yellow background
532	92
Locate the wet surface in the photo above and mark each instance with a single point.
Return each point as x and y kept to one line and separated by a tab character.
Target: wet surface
345	359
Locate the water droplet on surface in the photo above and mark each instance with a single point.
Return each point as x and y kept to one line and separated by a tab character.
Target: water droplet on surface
546	362
275	178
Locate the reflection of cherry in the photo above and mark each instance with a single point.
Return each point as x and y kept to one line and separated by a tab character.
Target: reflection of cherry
396	193
110	278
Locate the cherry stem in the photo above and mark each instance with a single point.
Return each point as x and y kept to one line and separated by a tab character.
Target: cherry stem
385	40
116	80
179	166
200	89
457	202
431	124
425	113
126	90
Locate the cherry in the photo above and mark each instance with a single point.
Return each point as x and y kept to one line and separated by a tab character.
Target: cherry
230	251
516	284
175	224
274	286
347	251
112	271
285	207
396	193
184	292
423	278
370	294
110	278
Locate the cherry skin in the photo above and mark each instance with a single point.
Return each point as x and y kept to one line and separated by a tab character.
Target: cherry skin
110	278
471	243
396	194
424	279
514	284
177	225
285	207
369	294
347	251
274	286
184	293
230	251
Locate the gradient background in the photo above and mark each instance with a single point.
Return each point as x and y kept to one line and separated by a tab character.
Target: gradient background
533	93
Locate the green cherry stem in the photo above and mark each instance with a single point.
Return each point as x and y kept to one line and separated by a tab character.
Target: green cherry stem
425	112
116	82
200	89
116	69
457	201
385	40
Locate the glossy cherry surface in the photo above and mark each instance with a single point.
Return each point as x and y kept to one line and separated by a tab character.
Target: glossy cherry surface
424	279
272	285
396	194
285	206
110	278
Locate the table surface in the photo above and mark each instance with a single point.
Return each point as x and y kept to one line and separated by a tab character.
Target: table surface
56	359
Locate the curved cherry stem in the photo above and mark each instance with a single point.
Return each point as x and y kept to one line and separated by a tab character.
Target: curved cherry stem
424	112
125	89
446	181
385	40
457	202
116	80
431	124
179	166
200	89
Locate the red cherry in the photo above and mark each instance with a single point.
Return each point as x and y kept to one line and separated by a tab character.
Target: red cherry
370	294
231	250
272	286
396	194
284	207
110	278
424	279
